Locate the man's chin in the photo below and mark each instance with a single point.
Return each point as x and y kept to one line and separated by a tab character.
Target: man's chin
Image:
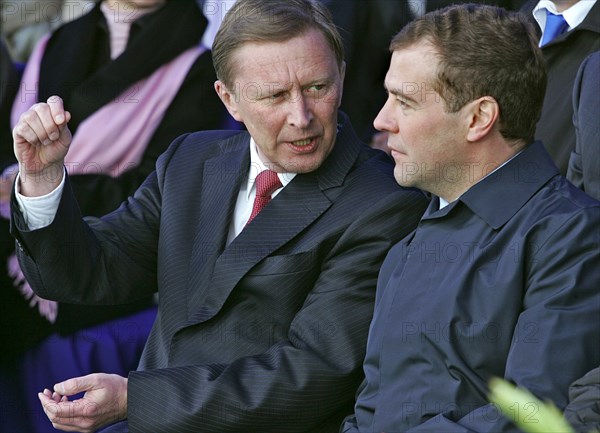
405	180
304	164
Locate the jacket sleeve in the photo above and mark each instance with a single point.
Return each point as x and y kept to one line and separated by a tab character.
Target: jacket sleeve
584	164
95	247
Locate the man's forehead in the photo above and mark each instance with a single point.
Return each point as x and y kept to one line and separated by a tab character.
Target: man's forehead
313	38
419	60
278	60
422	48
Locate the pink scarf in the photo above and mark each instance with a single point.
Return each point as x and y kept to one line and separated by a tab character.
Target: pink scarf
133	116
110	141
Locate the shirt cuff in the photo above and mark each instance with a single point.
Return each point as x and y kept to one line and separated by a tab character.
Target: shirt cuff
39	212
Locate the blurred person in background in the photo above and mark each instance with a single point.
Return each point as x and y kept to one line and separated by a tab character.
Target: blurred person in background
568	32
24	22
134	81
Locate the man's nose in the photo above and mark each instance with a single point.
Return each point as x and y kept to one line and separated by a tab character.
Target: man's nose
384	120
300	111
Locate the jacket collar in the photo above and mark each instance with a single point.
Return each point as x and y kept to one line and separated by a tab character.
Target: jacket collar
512	185
344	154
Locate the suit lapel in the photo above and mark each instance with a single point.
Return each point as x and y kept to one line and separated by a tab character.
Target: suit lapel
295	208
222	177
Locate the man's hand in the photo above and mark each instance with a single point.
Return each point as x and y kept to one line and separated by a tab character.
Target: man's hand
104	402
41	140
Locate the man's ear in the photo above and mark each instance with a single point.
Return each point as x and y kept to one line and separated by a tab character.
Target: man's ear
229	100
483	115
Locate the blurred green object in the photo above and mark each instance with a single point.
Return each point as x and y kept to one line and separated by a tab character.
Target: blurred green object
527	412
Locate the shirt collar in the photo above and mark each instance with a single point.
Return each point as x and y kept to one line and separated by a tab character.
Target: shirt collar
257	165
573	15
498	197
444	203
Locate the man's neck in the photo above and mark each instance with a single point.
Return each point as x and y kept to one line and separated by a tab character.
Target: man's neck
563	5
487	161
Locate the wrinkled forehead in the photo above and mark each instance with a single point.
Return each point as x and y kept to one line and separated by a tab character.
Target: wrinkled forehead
302	56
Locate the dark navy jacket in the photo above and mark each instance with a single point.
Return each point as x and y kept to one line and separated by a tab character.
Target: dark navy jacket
502	282
584	163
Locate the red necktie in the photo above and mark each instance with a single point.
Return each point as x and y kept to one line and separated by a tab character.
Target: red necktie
267	182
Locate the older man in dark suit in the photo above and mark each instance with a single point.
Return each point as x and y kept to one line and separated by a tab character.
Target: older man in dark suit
264	246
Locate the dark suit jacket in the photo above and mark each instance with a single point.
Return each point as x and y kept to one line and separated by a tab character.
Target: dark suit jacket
432	5
563	56
367	28
266	334
584	164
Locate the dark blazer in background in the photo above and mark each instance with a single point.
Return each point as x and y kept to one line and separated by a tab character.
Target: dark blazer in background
266	334
367	28
563	56
584	164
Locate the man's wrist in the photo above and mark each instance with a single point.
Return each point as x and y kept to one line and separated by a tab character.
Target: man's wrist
35	183
123	406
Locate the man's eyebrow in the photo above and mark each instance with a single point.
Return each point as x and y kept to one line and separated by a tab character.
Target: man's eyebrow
276	86
399	92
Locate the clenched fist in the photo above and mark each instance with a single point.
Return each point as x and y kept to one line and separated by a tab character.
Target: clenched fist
41	140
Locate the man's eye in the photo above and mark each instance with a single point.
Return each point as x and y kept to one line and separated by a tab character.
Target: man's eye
402	103
316	87
277	95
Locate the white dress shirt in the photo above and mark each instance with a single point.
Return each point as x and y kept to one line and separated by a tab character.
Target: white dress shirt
245	200
573	15
39	212
417	7
214	11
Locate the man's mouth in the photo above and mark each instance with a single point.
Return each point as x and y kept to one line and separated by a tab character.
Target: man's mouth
304	142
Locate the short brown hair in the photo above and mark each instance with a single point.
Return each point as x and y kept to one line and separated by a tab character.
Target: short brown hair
270	21
484	51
